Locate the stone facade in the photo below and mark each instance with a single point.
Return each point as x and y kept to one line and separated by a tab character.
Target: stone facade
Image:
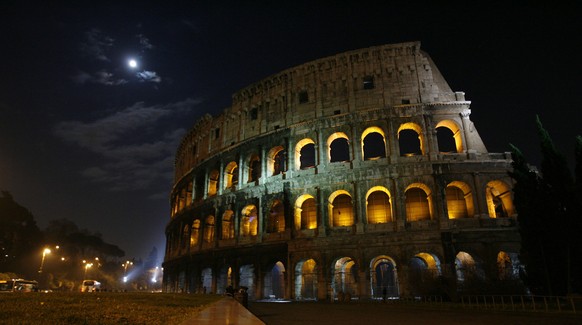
356	175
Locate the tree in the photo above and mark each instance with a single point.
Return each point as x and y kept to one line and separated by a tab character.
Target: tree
548	205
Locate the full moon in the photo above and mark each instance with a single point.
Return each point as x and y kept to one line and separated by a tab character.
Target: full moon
132	63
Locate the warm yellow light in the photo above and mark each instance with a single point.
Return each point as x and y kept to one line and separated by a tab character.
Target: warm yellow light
46	251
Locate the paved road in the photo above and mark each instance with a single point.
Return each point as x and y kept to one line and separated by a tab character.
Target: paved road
322	313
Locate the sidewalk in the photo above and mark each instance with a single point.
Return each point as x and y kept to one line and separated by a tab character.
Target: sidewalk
225	311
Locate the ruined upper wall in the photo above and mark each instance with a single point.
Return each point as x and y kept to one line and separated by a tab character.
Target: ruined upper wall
371	78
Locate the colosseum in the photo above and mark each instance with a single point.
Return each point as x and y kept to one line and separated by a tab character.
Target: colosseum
355	176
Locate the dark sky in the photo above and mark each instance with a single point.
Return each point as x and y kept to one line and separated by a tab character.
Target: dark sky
85	137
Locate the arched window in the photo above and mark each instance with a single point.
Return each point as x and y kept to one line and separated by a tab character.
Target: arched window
418	206
276	221
305	154
449	137
249	221
276	163
231	174
306	280
383	277
305	212
373	143
464	266
254	168
378	206
228	224
341	210
185	236
499	201
345	275
339	148
209	229
194	235
504	266
410	139
213	183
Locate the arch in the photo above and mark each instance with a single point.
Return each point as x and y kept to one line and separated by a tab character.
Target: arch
276	220
185	236
450	141
305	212
209	229
247	279
424	269
373	143
418	202
306	280
499	201
344	281
228	224
254	168
341	211
206	280
378	206
276	161
231	174
213	182
410	139
465	267
507	265
195	233
274	282
249	221
459	200
383	277
305	154
338	147
224	279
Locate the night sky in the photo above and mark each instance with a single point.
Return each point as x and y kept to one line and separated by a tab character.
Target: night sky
84	136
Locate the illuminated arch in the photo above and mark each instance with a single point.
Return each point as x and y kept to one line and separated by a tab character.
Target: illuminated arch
416	149
378	205
304	149
459	200
228	224
306	280
195	233
373	147
340	208
276	219
213	182
276	161
499	201
418	202
209	229
383	277
344	278
249	221
456	131
274	281
231	174
305	216
254	168
465	266
343	149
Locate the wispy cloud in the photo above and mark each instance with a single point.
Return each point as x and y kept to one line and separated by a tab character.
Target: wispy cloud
97	45
132	160
144	42
148	76
101	77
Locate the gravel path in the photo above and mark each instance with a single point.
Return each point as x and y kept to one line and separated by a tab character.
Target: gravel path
378	313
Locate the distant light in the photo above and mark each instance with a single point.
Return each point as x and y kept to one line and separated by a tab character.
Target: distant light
132	63
124	279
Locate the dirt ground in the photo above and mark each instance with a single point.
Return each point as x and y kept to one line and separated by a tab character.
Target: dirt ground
306	313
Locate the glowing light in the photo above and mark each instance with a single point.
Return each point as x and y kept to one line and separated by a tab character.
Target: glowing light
132	63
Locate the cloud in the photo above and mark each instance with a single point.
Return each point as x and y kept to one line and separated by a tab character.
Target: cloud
100	77
144	42
137	153
97	44
148	76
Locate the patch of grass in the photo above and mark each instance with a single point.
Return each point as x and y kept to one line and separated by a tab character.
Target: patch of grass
100	307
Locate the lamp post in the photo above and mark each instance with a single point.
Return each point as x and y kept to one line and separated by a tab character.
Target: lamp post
44	254
125	265
87	266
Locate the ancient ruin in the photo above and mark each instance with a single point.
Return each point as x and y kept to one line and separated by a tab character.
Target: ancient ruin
355	176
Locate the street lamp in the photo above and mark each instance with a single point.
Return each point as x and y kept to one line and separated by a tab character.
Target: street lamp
44	253
125	265
87	266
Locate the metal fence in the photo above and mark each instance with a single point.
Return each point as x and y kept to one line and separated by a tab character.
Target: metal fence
523	303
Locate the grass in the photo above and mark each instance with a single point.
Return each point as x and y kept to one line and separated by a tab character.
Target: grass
100	308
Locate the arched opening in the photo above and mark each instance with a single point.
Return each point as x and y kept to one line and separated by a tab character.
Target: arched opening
228	224
231	174
341	210
276	220
499	201
305	154
207	280
464	267
199	187
213	182
305	212
185	236
247	279
276	161
195	234
339	148
373	143
459	200
410	139
306	280
274	282
383	277
418	203
378	207
209	229
254	168
507	266
449	137
424	269
224	280
249	221
344	281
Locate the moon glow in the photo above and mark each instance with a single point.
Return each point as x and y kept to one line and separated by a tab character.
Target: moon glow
132	63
